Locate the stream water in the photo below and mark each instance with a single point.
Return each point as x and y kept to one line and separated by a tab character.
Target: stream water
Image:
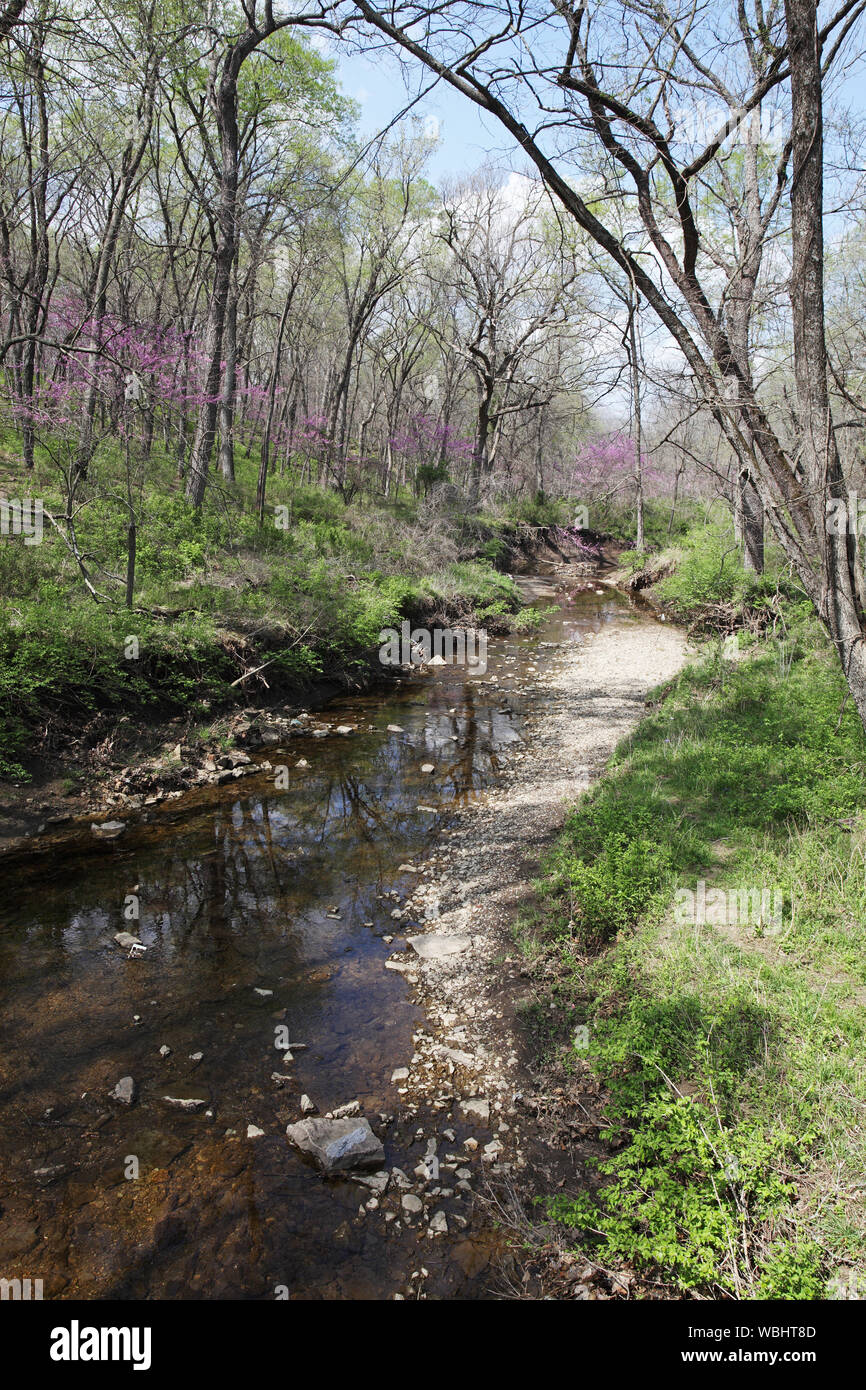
244	888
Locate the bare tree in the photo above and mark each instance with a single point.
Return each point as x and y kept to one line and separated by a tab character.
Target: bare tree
515	280
616	76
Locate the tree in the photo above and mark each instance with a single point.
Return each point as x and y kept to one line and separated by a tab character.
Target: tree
515	280
610	79
229	50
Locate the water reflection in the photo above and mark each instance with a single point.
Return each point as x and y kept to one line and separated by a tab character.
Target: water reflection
241	889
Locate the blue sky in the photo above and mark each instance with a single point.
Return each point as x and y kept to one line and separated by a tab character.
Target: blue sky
467	138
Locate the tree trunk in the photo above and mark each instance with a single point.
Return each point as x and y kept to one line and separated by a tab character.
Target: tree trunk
227	401
225	99
819	456
634	362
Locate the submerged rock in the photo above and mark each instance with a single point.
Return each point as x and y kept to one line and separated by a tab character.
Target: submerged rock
124	1092
126	940
338	1145
189	1098
376	1182
109	829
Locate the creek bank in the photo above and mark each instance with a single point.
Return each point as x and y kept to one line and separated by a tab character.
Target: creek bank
117	765
114	768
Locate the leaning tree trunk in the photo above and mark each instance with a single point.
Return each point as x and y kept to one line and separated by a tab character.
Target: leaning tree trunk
752	523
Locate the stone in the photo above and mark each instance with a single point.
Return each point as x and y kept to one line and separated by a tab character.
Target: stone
189	1098
376	1182
253	1132
165	1050
399	1074
476	1108
345	729
427	767
433	947
352	1107
438	1224
338	1145
125	1091
308	1107
411	1204
109	829
263	993
126	940
394	729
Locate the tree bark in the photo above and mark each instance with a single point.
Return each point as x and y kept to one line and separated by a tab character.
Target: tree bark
819	456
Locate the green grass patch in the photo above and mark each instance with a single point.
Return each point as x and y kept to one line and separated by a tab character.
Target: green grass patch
729	1051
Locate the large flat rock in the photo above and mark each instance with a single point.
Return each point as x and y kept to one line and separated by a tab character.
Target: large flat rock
432	947
338	1145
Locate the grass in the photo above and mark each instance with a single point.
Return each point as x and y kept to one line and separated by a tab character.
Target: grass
729	1051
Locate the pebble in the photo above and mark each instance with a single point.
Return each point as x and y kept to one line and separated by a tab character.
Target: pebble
125	1091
